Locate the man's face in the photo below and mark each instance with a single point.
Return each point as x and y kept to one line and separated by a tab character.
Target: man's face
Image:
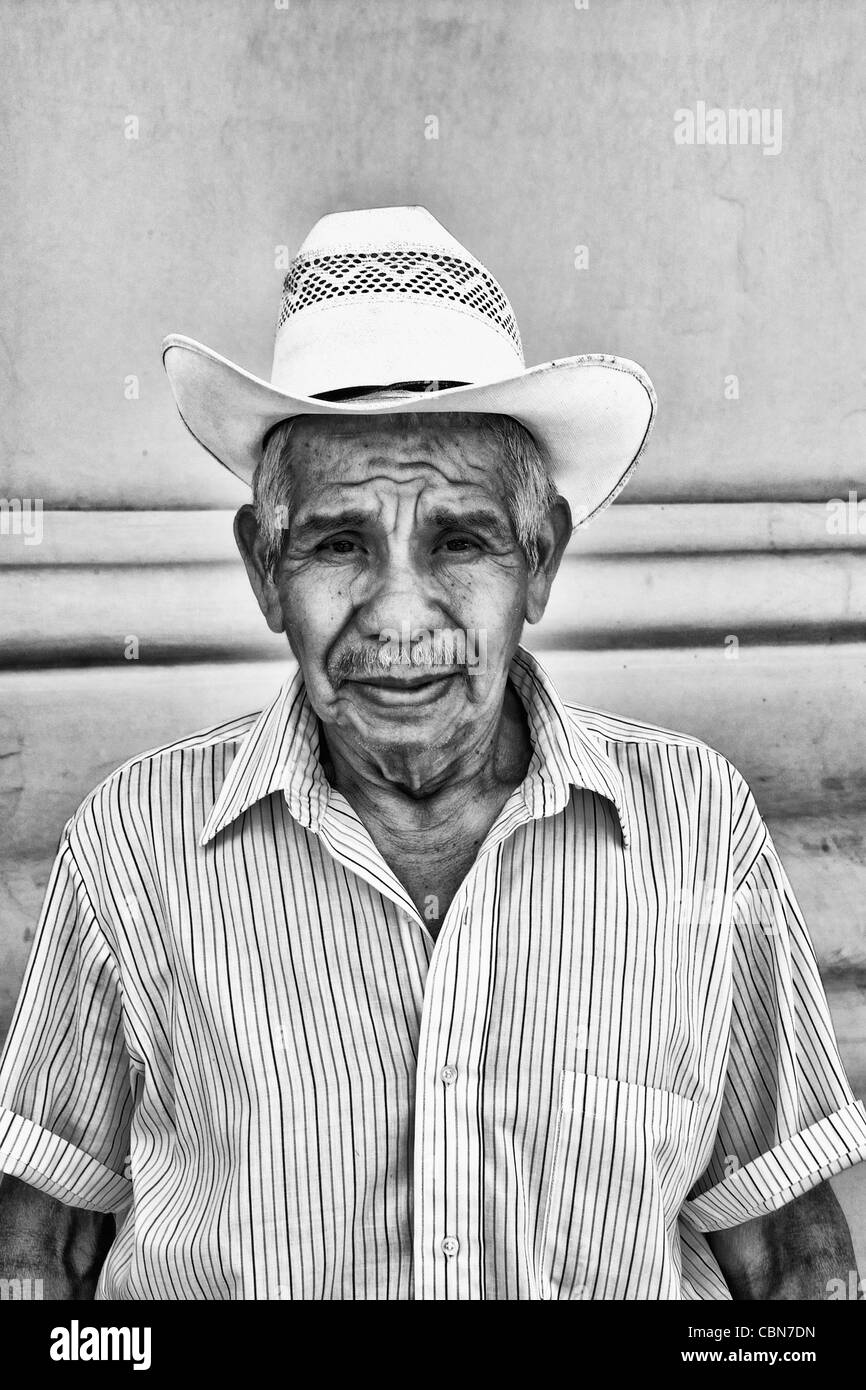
398	534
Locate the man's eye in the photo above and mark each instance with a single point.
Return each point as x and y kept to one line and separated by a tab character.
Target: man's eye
339	545
459	545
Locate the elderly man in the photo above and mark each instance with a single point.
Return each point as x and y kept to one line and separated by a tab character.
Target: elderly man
420	983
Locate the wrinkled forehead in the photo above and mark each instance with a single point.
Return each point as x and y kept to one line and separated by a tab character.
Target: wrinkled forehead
440	451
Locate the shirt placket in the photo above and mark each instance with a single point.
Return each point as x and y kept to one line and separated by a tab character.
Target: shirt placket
449	1256
448	1166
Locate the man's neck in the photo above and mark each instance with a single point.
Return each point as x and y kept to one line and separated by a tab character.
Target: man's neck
431	841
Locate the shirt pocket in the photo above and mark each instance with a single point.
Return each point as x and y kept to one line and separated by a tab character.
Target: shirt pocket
620	1171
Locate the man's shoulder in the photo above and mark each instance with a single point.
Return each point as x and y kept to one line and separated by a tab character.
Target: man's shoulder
615	734
665	766
619	728
204	744
195	760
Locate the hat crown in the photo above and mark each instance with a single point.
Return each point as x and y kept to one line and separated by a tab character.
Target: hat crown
379	229
400	258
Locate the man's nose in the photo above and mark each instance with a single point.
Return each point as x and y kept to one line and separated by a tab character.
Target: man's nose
398	597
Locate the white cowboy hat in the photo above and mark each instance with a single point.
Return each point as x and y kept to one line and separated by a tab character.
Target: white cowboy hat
386	303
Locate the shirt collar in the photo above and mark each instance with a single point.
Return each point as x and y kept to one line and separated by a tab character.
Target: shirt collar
281	753
564	752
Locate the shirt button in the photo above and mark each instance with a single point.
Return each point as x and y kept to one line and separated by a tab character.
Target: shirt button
450	1246
448	1075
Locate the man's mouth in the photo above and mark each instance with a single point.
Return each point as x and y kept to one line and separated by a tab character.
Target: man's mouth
414	689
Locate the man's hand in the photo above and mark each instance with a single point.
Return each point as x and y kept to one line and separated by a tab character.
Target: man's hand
41	1238
792	1253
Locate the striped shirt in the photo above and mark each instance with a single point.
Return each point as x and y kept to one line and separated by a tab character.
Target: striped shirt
237	1033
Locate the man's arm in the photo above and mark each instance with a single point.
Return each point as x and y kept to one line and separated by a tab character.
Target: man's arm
41	1238
791	1253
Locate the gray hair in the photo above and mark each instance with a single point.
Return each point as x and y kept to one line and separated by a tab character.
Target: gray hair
529	487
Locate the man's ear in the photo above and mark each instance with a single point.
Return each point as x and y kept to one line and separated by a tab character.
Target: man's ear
252	547
554	537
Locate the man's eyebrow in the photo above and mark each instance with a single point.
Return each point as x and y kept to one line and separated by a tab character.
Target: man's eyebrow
320	523
476	518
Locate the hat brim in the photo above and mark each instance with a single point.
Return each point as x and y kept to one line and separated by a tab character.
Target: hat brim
592	415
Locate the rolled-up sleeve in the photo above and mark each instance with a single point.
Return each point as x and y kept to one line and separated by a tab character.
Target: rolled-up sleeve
788	1117
65	1093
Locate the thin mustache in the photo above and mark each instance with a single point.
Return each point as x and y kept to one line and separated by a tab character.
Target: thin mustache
423	658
